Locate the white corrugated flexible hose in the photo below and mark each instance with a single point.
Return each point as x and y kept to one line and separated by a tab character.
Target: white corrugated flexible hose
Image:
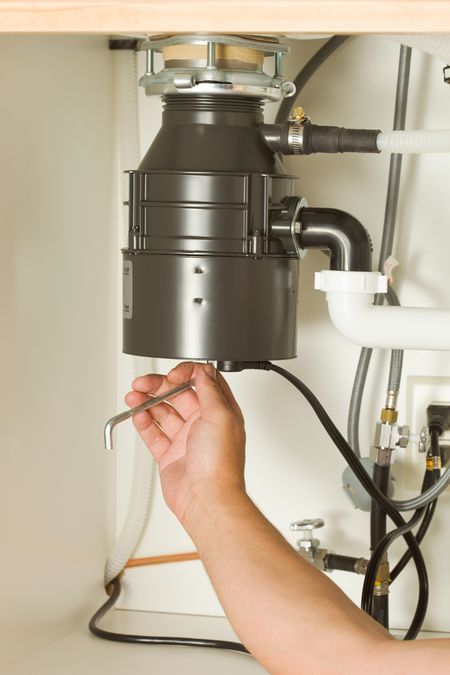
414	142
127	150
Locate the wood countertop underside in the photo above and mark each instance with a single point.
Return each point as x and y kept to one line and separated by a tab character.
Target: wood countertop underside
227	16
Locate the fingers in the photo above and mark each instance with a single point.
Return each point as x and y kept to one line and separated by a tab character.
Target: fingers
152	435
164	414
222	384
153	383
211	397
185	403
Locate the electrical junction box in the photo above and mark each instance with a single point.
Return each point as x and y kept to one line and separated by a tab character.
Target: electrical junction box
420	392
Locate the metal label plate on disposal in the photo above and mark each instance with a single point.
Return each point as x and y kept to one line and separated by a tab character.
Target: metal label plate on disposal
127	289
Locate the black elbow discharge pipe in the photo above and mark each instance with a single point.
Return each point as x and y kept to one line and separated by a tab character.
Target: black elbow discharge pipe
340	233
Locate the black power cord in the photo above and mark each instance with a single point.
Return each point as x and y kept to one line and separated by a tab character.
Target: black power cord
377	556
431	477
367	482
151	639
420	534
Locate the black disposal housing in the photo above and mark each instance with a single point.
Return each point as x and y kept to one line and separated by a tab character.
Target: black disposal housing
203	277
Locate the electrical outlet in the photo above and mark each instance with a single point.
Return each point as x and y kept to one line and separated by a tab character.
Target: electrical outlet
421	391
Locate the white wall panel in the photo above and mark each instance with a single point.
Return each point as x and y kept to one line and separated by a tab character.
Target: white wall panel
58	338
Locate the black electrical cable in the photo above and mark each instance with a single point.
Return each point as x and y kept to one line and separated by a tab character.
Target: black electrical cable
379	609
420	534
306	73
151	639
368	600
430	478
367	482
378	551
377	556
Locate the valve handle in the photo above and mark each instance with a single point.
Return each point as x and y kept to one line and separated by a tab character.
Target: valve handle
307	525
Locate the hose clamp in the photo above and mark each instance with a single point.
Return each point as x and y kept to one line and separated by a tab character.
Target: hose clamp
295	138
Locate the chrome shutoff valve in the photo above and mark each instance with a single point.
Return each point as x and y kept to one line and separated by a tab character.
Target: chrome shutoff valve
307	545
390	435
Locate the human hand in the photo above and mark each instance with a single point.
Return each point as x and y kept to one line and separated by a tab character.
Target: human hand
198	440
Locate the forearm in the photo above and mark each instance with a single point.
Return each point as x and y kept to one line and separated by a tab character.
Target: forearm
274	599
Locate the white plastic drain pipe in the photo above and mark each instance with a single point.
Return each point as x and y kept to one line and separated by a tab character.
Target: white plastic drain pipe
350	297
127	139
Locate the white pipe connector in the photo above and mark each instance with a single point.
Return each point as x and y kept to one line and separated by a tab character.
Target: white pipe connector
350	297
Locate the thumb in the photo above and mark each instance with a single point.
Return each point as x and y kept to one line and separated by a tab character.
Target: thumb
210	396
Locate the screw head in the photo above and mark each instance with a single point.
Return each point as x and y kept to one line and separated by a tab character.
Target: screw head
288	89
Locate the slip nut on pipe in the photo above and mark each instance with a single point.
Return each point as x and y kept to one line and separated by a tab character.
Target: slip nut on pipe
333	281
